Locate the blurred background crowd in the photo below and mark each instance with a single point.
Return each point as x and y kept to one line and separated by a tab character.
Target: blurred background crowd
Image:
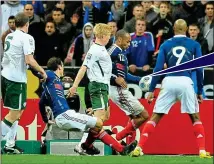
65	28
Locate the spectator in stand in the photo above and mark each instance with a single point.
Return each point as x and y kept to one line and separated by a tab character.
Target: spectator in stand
12	28
61	24
36	26
156	6
194	33
118	11
149	12
83	43
103	7
70	7
141	49
113	25
50	44
207	25
7	9
37	6
188	11
138	13
162	26
88	13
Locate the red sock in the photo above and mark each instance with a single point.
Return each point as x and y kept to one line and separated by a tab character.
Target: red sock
147	130
200	135
126	131
92	136
110	141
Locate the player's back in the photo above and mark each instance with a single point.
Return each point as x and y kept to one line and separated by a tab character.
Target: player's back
17	45
54	92
178	50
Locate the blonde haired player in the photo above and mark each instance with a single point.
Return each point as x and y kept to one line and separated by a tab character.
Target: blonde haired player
98	65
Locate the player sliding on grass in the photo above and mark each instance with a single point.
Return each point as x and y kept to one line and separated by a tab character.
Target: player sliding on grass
176	86
68	119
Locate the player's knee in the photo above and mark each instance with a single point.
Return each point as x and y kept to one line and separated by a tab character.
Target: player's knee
99	124
144	115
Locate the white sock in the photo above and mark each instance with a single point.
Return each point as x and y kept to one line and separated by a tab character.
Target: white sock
84	137
11	135
202	151
4	129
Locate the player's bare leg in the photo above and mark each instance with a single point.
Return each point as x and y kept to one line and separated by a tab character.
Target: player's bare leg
9	130
136	122
200	135
146	132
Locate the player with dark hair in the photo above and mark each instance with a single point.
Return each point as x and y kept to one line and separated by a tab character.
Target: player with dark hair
119	93
66	118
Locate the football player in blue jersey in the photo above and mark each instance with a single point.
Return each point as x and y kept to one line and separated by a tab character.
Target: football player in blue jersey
119	92
68	119
176	86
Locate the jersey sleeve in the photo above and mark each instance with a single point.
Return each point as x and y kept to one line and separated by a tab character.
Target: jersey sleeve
90	59
159	66
151	45
199	71
42	103
133	78
28	45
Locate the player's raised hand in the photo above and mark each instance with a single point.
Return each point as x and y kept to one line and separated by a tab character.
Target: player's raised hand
200	98
150	97
121	82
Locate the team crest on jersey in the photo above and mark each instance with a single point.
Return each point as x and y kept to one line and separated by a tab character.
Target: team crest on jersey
31	42
89	56
58	86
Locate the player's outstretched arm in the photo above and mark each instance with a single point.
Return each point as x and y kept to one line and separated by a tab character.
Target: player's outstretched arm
77	80
199	71
42	104
29	59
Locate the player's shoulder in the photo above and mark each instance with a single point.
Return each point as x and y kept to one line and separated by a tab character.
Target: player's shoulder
114	50
50	74
28	36
96	49
148	34
192	42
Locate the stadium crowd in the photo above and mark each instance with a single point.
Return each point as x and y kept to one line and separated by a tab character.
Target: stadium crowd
65	28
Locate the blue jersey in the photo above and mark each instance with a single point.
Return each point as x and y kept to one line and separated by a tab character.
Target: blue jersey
120	65
53	95
175	51
140	49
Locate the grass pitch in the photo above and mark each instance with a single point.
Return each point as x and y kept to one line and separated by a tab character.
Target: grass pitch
146	159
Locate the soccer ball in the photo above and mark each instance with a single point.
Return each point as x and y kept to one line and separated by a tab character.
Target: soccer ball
145	82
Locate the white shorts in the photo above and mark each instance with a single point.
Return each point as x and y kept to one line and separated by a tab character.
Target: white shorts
126	101
72	120
175	89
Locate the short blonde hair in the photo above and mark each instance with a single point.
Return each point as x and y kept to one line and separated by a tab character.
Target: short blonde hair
102	29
